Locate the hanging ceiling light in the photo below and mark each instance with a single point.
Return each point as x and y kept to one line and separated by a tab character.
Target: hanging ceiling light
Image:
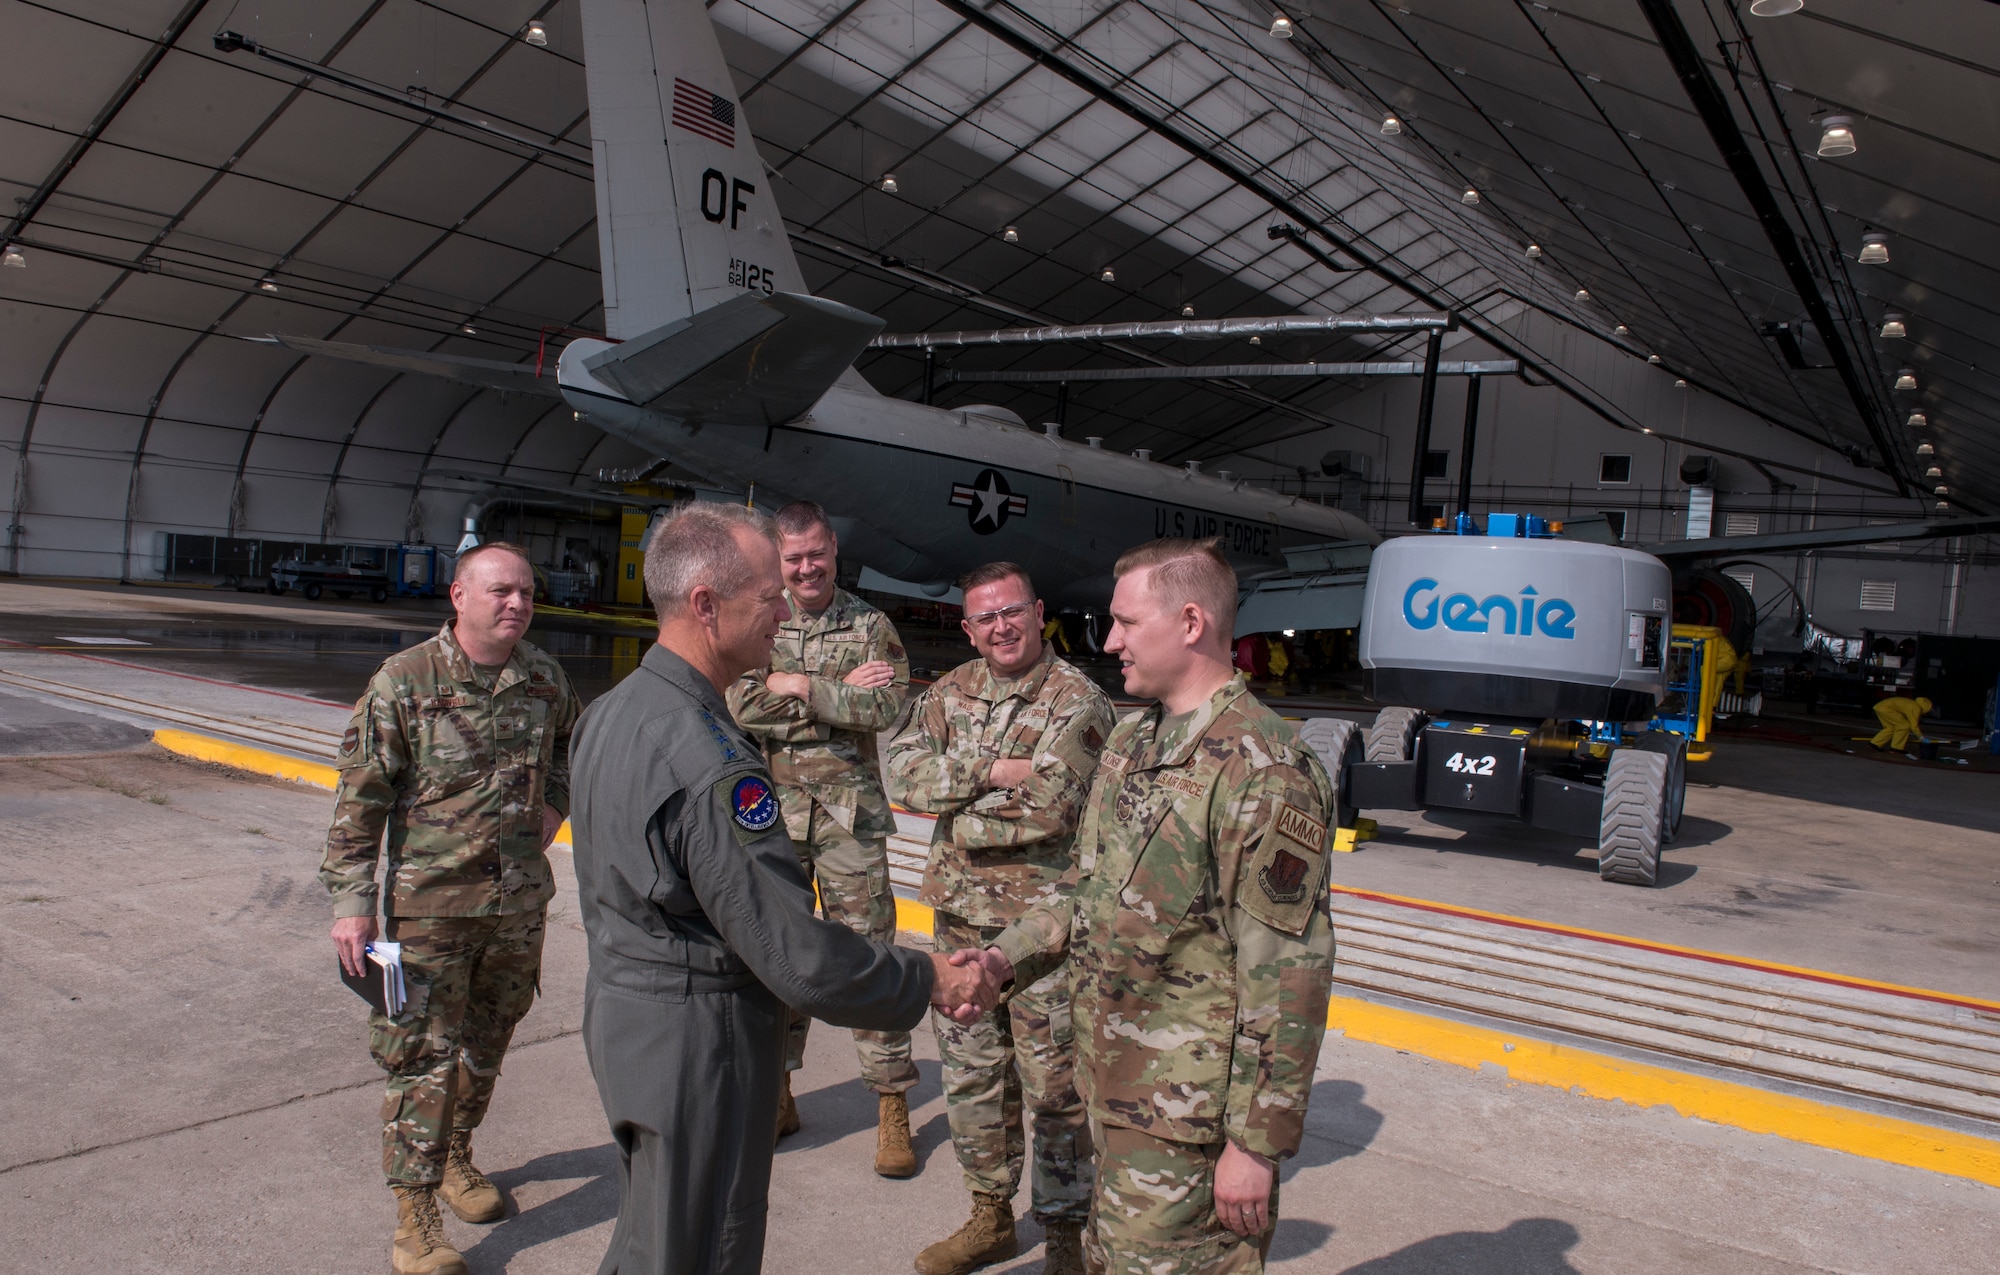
1652	358
1892	327
1281	28
1256	340
1940	490
1108	275
1874	249
1906	379
1533	252
1925	449
1583	294
1621	330
14	257
1933	472
1775	8
267	284
1917	420
468	329
1187	311
1470	196
888	183
1391	126
1680	385
1011	235
537	35
1838	137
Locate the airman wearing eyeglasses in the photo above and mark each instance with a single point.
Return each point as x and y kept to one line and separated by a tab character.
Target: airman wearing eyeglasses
1002	750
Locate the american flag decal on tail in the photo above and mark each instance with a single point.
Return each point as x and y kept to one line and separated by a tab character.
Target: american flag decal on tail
699	111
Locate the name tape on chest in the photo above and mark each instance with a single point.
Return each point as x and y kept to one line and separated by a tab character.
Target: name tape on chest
1116	763
1182	784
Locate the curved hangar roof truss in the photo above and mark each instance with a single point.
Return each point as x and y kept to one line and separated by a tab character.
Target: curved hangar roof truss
416	174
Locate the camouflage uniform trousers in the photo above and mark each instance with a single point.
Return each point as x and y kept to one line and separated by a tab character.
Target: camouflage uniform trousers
853	880
469	980
1023	1053
1154	1211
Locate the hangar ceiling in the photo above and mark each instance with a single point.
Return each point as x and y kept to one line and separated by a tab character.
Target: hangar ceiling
417	174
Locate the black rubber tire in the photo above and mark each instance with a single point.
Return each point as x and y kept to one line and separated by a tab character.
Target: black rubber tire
1675	747
1338	742
312	591
1636	783
1393	736
378	594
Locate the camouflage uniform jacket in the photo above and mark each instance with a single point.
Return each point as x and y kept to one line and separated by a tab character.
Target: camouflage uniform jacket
998	851
457	762
1200	947
822	748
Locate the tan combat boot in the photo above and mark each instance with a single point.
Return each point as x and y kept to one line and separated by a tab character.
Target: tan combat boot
421	1248
468	1191
788	1108
894	1156
987	1237
1063	1248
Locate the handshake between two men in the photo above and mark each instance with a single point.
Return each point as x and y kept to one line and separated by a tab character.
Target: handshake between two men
969	982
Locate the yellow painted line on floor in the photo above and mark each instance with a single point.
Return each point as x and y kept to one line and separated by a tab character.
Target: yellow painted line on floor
243	757
1526	1060
1722	1102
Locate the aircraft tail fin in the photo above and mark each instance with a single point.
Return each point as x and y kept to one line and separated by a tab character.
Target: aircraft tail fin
753	360
684	226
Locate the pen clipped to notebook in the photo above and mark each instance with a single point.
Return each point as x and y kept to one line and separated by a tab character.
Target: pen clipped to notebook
380	982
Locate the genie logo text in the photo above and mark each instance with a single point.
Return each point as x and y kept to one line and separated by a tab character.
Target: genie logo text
1524	615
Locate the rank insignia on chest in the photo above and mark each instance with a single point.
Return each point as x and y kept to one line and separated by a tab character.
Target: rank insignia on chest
753	805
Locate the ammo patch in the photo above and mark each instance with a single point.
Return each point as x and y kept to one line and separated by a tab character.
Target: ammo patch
1288	867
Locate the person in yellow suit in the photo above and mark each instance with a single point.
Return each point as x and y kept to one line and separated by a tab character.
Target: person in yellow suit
1901	717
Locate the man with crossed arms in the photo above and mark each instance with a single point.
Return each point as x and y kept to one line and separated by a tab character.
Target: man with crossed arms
1002	750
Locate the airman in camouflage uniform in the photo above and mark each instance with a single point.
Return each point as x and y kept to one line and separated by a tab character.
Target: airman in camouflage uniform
463	765
823	757
1201	954
1003	843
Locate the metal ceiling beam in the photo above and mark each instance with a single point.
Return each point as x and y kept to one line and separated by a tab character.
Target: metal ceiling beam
1064	376
1709	103
1829	538
1186	329
119	101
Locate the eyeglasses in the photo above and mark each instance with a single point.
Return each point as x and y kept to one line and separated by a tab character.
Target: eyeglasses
987	619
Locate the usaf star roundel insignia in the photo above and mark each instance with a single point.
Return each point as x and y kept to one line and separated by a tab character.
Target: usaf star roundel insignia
988	502
753	805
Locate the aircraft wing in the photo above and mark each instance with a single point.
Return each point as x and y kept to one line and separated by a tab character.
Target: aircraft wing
753	360
1322	590
509	378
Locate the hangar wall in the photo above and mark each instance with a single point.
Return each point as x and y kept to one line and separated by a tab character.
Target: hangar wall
1540	451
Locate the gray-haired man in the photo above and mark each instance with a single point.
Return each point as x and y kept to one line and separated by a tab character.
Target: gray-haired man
699	916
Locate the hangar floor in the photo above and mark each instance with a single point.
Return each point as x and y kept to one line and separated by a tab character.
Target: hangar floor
187	1089
147	900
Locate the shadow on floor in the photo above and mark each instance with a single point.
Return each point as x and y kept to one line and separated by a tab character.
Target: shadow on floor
1531	1246
835	1109
1338	1125
1491	837
593	1201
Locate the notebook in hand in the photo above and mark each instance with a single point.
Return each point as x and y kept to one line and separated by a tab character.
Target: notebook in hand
381	981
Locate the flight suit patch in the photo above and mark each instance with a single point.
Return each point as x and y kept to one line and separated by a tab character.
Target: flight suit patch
753	805
1289	870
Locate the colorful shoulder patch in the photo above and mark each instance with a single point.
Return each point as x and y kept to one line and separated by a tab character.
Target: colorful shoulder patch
753	804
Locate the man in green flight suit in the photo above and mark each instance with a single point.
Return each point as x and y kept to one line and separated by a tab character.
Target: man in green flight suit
1198	936
460	749
838	676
